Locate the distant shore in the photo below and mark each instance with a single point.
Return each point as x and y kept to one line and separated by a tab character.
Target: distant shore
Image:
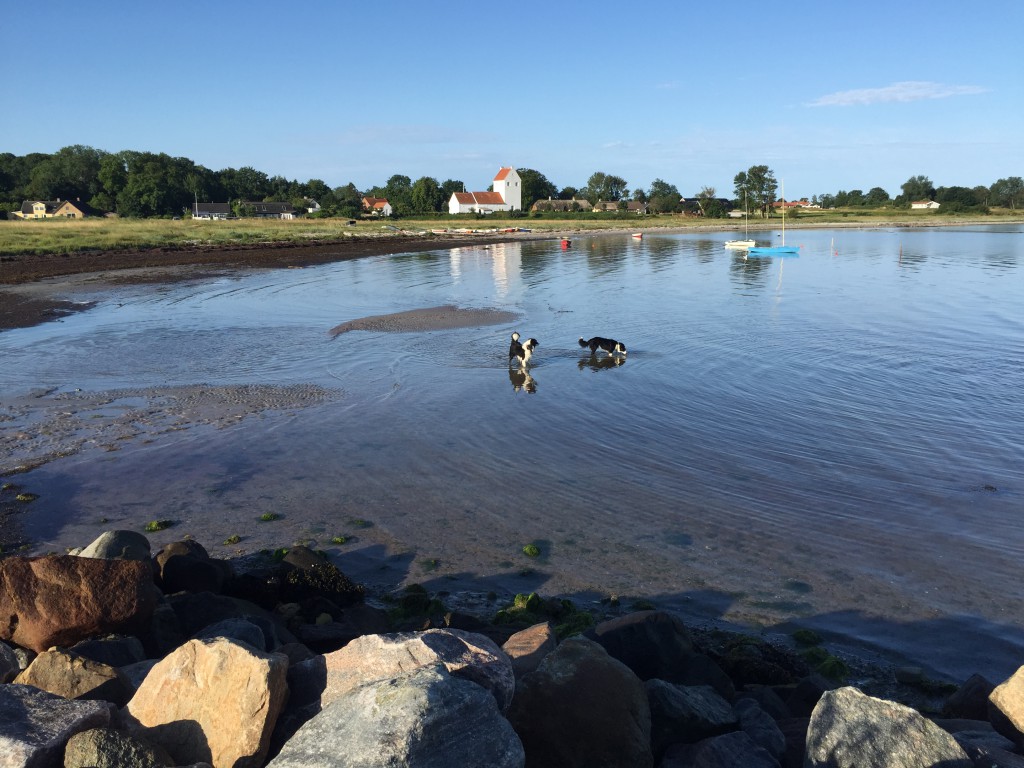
31	283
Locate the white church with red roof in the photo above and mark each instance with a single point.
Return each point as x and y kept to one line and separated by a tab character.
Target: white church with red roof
507	196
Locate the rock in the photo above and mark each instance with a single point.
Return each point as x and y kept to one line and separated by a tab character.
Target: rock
686	714
425	718
163	632
849	729
1006	707
768	700
9	666
581	707
528	647
119	545
804	696
35	725
137	672
212	701
107	748
351	622
730	749
794	729
970	701
383	657
240	629
657	645
760	727
654	644
75	677
60	599
113	650
185	566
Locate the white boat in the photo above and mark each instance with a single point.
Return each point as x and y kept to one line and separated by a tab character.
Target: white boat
746	242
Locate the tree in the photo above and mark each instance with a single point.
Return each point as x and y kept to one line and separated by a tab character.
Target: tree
663	197
876	197
426	196
602	186
916	188
704	199
71	173
347	201
1007	192
535	187
568	193
398	192
758	185
449	187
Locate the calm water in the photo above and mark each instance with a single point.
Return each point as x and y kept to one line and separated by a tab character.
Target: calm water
834	439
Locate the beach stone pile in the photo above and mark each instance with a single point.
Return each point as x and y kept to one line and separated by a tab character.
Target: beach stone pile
113	657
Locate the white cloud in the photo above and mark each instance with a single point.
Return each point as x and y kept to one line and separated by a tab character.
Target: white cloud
910	90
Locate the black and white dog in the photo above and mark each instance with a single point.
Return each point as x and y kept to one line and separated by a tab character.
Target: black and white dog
521	352
611	346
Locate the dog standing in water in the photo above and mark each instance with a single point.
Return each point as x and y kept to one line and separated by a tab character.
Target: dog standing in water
521	352
611	346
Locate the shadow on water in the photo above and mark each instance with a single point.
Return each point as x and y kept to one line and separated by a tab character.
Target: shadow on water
951	649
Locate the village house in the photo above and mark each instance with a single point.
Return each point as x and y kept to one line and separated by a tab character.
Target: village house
219	211
378	206
924	205
262	210
562	205
632	206
55	209
507	195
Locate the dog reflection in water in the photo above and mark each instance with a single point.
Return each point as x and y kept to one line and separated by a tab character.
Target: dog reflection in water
595	363
521	379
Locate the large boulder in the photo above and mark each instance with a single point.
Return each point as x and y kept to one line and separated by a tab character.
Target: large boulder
119	545
211	701
61	599
382	657
426	718
35	725
107	748
849	729
1006	707
185	566
9	666
75	677
970	701
581	708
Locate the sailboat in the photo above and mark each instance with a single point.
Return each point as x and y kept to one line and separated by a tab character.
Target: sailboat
746	242
777	250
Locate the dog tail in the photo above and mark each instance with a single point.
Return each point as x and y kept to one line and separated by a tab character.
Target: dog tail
584	343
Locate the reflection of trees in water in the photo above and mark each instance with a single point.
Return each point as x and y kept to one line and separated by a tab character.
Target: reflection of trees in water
749	272
707	250
535	256
662	252
604	254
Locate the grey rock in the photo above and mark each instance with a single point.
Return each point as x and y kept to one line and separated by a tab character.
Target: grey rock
108	748
760	727
686	714
35	725
725	751
9	666
119	545
113	650
849	729
239	628
427	718
970	700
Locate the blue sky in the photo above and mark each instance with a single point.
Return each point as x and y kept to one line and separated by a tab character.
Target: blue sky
829	95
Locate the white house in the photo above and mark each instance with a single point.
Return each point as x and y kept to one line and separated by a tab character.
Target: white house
921	205
507	196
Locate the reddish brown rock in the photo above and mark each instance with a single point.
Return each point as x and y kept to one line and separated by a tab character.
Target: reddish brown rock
60	599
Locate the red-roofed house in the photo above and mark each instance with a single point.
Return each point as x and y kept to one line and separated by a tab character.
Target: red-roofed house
379	206
507	196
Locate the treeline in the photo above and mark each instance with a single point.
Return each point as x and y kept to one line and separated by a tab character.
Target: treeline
146	184
1003	193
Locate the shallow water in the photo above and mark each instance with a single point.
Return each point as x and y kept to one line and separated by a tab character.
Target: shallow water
833	439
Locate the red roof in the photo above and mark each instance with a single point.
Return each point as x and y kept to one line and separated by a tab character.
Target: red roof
479	198
503	173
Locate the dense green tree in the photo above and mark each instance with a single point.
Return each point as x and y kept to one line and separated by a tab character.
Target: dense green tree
448	187
245	183
535	187
1008	192
876	197
916	188
758	186
568	193
69	174
663	197
605	187
315	189
426	196
348	201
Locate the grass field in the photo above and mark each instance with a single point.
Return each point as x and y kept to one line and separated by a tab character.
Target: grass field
66	236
